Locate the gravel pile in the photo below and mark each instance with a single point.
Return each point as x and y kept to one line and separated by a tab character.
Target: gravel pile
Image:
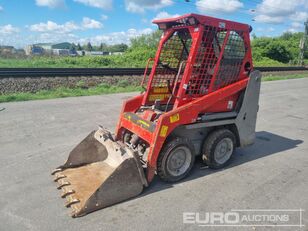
15	85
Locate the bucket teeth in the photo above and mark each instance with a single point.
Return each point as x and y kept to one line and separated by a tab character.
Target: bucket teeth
70	202
55	171
58	177
62	184
66	193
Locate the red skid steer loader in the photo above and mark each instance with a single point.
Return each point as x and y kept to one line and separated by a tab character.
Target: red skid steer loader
201	98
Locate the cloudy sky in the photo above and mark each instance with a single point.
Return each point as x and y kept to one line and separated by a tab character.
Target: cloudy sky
25	22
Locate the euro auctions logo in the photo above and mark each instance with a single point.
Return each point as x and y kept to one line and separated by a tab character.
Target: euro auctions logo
211	218
246	218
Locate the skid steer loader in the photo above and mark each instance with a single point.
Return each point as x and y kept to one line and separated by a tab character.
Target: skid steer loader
201	98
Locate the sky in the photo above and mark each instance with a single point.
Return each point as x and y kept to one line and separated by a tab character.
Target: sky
24	22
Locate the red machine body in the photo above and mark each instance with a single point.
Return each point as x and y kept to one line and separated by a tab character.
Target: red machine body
201	66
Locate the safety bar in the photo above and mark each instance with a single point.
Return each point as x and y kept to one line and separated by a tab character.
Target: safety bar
177	78
146	70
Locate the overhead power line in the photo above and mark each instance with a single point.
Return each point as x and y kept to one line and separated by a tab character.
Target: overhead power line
192	5
250	11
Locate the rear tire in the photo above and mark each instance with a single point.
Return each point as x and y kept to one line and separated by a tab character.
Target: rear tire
218	148
175	160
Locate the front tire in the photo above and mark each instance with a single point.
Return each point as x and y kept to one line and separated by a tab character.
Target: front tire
175	160
218	148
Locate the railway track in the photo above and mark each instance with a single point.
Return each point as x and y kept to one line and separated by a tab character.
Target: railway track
65	72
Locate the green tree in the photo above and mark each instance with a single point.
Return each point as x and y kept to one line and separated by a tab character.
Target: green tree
287	35
148	40
103	47
89	46
79	48
278	51
284	48
118	48
73	47
121	47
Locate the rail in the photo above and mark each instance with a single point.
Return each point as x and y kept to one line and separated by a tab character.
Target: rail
66	72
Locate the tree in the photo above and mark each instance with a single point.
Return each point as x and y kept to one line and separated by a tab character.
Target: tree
278	51
148	40
121	47
79	48
89	46
73	47
282	49
103	47
286	35
118	47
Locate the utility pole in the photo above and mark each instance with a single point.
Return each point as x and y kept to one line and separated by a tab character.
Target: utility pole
303	45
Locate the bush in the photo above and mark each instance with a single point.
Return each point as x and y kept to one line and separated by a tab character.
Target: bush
267	62
276	50
284	48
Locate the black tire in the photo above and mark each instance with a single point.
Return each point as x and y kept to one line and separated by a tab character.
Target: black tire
167	156
213	139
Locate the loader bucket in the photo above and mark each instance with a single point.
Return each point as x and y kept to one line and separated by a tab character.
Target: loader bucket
99	172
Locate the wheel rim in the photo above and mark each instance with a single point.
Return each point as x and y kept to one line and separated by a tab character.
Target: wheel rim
178	161
223	150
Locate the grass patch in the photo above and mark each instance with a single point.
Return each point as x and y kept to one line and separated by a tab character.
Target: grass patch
68	92
128	59
281	77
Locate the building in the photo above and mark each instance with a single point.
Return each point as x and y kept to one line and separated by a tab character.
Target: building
34	50
64	52
7	49
117	53
45	46
61	49
97	53
60	52
81	53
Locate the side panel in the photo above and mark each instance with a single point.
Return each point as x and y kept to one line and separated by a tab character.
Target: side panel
227	104
196	136
185	114
247	117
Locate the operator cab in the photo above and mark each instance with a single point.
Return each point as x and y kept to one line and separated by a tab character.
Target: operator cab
196	55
